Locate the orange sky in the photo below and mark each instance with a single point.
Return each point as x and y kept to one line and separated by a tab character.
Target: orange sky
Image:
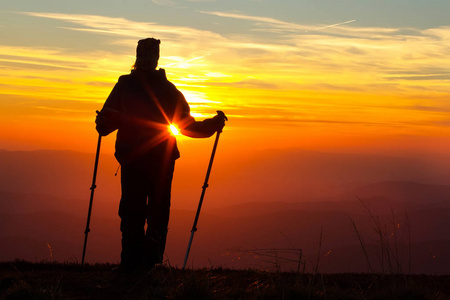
340	88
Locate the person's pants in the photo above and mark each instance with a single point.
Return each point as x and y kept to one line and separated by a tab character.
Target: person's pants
145	198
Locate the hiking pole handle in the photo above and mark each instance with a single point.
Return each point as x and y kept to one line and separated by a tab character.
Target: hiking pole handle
221	114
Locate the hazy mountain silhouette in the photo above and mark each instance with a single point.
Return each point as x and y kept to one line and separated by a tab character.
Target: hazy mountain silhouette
63	174
299	175
222	238
287	176
260	203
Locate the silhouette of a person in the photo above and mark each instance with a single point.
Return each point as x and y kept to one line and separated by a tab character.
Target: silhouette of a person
141	107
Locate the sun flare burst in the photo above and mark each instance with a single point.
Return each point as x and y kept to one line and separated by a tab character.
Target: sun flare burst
174	130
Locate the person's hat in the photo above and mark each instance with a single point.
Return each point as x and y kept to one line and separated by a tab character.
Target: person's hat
149	46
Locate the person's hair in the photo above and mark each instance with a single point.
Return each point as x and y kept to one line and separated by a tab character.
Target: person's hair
138	64
147	54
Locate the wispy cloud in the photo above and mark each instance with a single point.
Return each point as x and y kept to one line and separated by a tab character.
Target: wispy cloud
278	24
326	62
438	77
334	25
377	52
163	2
262	20
121	26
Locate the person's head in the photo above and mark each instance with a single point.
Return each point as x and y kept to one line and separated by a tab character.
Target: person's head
147	54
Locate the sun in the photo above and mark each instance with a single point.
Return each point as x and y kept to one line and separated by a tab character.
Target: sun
174	130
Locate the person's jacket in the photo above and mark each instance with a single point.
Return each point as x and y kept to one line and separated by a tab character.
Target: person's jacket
141	106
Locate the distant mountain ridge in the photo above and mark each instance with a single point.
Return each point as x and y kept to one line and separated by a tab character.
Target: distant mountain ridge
278	175
224	235
64	174
44	200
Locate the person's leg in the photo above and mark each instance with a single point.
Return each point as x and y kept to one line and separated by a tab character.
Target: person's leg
132	213
158	211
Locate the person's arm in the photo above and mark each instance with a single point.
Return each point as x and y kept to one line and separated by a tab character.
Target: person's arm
205	128
196	129
108	119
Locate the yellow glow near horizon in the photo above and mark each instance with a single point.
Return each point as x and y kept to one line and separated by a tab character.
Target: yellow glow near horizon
343	86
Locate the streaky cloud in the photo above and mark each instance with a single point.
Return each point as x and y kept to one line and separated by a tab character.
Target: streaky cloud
334	25
256	19
125	27
421	77
325	60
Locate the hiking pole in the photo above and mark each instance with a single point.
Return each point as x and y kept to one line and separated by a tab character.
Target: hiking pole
205	185
93	186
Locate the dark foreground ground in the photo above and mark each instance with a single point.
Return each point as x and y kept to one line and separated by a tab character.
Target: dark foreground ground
24	280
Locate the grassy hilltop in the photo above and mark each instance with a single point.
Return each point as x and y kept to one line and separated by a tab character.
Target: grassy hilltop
24	280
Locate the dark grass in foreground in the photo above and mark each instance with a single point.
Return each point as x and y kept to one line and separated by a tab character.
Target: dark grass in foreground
25	280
